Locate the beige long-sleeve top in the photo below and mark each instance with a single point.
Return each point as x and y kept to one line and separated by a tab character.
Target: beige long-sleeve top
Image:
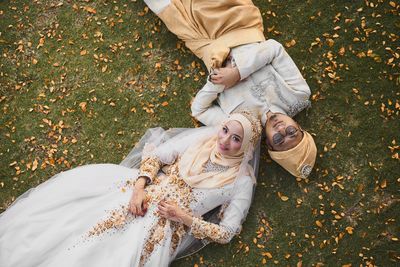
270	81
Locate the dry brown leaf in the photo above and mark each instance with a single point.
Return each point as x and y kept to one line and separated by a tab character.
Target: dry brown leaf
83	106
284	198
34	165
290	43
89	9
383	184
342	50
349	230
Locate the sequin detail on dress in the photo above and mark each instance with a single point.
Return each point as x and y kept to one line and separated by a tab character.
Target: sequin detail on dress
212	167
211	231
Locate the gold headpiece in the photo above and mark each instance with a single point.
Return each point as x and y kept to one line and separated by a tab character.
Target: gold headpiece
255	124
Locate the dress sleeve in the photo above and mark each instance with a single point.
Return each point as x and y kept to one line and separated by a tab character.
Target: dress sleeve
203	107
232	217
149	167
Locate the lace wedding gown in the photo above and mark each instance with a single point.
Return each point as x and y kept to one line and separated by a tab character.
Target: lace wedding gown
80	217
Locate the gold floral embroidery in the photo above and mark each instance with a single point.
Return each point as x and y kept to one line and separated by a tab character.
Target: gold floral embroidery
169	186
149	167
214	232
118	219
176	190
156	235
178	232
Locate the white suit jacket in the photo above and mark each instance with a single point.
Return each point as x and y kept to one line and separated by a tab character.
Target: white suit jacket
270	81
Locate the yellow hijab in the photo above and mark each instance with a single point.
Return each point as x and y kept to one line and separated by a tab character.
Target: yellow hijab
192	162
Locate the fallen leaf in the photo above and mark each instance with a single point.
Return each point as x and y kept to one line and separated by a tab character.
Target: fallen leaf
349	230
290	43
34	165
89	9
284	198
83	106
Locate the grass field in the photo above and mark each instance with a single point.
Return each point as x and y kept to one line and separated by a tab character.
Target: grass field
81	81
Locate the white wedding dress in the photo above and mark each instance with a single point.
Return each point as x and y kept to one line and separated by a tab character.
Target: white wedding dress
80	218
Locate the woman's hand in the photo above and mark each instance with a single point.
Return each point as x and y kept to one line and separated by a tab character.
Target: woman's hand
228	76
137	204
173	212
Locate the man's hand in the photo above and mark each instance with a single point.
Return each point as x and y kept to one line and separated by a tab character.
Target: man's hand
228	76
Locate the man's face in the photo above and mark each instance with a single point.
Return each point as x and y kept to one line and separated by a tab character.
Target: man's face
282	132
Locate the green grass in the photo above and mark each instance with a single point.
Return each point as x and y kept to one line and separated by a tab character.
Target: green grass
102	100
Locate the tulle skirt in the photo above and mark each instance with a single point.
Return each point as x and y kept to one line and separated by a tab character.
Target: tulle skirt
63	222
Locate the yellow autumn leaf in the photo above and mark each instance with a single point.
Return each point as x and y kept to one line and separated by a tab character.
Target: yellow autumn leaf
34	165
83	106
330	42
342	50
349	230
89	9
318	223
290	43
284	198
267	254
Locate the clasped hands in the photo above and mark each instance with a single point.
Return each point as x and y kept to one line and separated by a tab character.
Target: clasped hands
227	76
167	209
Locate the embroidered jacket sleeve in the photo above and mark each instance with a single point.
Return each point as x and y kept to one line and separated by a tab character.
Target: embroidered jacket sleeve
203	107
233	216
149	167
252	57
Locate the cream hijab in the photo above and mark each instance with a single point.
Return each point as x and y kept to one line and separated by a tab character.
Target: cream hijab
194	158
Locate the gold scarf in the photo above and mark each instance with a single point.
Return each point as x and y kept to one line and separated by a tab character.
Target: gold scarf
298	160
193	160
210	28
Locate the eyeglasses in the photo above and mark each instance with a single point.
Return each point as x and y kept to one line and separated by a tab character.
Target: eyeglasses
290	131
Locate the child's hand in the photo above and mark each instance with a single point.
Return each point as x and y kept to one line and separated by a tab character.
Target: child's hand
228	76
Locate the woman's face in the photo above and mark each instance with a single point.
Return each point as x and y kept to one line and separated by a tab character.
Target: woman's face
230	138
